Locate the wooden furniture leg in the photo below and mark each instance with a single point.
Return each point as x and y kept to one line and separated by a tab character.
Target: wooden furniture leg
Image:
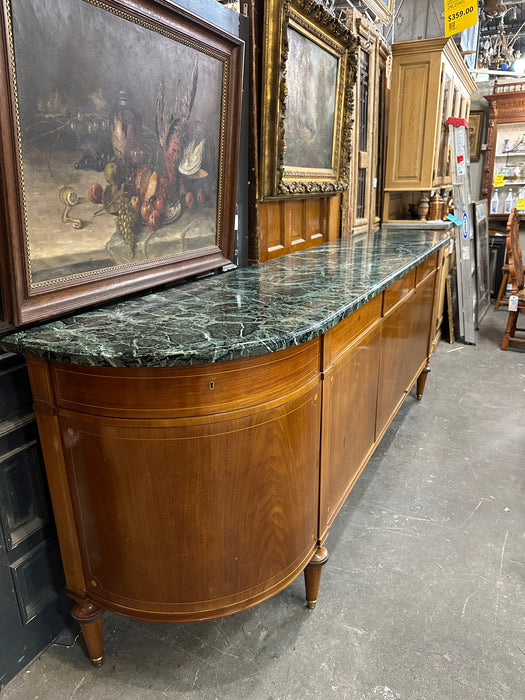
312	576
502	288
517	278
89	617
511	329
421	381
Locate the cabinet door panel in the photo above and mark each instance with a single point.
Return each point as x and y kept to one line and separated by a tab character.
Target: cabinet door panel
194	520
404	349
349	408
412	118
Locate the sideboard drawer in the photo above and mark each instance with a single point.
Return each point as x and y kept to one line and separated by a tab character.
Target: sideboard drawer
342	335
398	291
426	268
183	392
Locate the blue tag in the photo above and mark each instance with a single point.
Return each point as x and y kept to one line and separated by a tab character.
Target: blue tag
464	226
454	219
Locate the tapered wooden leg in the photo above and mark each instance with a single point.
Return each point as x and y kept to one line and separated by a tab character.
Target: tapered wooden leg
421	381
510	330
312	576
89	616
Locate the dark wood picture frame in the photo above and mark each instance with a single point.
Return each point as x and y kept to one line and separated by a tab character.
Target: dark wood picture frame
476	123
303	42
183	71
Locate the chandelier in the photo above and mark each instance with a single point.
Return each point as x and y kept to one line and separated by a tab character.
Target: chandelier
497	51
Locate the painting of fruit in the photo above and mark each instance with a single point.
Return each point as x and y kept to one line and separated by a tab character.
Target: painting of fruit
137	134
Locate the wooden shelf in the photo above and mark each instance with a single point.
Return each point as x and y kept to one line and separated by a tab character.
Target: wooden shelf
507	111
504	217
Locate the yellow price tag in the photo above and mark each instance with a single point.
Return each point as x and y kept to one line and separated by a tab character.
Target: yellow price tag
499	180
521	204
460	14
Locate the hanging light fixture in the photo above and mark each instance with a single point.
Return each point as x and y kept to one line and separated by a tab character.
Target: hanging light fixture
497	50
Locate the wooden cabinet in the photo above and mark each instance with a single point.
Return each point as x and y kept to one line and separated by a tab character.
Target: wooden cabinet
430	83
505	154
187	493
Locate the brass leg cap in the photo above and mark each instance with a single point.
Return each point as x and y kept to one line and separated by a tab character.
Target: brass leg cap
419	397
311	604
97	663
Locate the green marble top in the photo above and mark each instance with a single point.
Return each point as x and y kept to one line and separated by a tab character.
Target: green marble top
246	312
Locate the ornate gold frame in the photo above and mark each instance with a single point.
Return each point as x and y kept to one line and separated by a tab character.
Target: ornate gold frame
381	9
476	125
318	25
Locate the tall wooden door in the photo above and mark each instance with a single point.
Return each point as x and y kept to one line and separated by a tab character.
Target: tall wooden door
33	606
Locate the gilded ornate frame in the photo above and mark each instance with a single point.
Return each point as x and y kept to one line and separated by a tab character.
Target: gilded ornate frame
314	22
476	125
381	8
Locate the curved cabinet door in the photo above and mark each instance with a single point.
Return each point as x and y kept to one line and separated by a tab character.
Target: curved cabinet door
194	521
187	492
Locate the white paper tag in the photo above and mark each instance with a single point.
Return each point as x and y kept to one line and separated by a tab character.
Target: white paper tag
451	249
513	302
461	166
460	141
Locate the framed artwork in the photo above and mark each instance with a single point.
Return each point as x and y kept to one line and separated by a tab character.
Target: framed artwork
119	150
381	8
475	130
309	61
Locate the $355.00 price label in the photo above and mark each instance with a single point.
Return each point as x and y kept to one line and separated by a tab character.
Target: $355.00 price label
460	14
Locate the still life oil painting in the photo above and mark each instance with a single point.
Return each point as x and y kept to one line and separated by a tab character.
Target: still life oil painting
121	140
310	111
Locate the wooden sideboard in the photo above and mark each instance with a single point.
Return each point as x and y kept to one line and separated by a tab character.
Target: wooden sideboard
192	492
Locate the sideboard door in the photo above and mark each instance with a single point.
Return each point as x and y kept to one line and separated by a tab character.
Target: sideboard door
33	606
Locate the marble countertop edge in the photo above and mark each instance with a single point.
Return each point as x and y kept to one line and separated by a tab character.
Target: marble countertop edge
239	314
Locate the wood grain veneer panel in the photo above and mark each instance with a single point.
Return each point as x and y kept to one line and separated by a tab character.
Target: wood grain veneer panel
404	350
412	120
426	268
398	291
314	220
349	415
293	224
272	231
339	338
334	229
193	521
188	391
295	215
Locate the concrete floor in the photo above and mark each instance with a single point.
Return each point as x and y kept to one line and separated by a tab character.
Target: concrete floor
422	598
